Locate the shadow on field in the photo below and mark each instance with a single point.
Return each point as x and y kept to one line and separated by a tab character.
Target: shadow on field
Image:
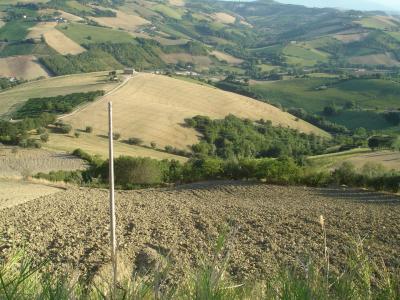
359	195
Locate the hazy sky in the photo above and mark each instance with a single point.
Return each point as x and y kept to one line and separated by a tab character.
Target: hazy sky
352	4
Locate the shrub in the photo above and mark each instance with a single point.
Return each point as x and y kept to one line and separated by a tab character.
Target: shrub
132	170
116	136
135	141
41	130
77	134
153	145
89	129
44	137
345	174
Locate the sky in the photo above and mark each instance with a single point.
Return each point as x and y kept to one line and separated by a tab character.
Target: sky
350	4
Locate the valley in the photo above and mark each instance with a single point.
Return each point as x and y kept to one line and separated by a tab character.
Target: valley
256	150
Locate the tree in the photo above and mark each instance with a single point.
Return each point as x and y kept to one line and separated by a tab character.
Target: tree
330	110
135	141
116	136
89	129
77	134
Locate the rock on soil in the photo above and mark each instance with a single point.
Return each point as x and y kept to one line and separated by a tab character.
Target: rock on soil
272	225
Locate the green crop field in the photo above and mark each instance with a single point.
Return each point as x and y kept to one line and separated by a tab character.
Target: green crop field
15	30
26	49
168	11
86	34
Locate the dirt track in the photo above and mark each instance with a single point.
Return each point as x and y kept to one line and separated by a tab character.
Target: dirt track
274	224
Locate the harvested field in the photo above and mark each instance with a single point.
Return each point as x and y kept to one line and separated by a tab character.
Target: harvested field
153	108
375	59
224	18
15	192
123	20
229	58
61	43
359	157
63	14
26	162
273	225
95	144
25	66
61	85
37	31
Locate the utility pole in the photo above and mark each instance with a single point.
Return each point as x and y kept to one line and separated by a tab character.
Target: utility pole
112	203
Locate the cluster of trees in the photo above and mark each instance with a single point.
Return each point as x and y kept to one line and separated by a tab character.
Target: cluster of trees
89	61
136	172
16	133
143	53
6	83
233	137
319	121
57	104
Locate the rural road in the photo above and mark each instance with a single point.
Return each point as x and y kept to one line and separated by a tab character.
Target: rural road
126	80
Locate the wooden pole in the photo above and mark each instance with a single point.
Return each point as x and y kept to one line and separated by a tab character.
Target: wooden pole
112	201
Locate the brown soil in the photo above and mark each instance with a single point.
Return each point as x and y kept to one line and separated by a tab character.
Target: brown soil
273	225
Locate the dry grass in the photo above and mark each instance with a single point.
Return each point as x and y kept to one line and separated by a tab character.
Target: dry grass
26	162
375	59
98	145
1	23
61	85
37	31
61	43
25	66
177	2
123	21
227	57
153	108
359	157
15	192
224	18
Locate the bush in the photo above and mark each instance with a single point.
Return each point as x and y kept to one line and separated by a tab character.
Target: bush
153	145
41	130
134	141
44	137
89	129
345	174
77	134
116	136
135	171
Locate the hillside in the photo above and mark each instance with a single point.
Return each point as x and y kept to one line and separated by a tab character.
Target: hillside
153	108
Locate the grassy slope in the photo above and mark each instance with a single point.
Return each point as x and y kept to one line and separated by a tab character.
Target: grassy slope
52	87
153	108
369	93
80	33
15	30
389	159
98	145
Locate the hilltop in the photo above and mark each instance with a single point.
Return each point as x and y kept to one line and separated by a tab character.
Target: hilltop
153	108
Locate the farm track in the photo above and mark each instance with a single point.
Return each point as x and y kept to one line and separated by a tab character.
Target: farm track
273	225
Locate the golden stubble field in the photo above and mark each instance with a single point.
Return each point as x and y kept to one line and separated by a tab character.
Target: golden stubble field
61	85
153	108
123	20
61	43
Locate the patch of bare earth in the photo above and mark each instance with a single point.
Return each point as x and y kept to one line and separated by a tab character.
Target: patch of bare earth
273	225
224	18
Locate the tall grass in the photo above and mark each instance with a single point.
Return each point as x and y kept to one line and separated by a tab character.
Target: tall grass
362	278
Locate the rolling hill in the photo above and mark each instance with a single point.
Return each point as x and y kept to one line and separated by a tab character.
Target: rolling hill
153	108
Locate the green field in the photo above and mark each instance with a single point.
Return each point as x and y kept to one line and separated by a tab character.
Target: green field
299	55
368	94
86	34
26	49
15	30
173	13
